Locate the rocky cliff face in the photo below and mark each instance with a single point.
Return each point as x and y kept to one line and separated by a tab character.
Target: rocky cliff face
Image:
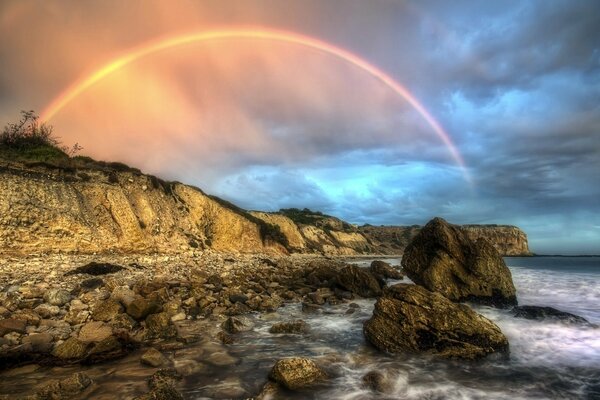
56	210
508	240
47	209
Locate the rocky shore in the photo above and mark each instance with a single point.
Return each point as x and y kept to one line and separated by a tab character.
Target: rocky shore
70	310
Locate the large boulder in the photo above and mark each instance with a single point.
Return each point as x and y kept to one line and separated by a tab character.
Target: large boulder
297	373
359	280
444	259
411	318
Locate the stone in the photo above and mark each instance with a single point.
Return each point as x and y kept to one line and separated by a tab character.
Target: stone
140	308
106	310
153	358
57	297
297	327
297	373
76	317
159	326
71	348
95	331
237	324
442	258
65	388
542	313
378	382
162	386
359	280
47	311
12	325
124	295
39	342
385	271
409	318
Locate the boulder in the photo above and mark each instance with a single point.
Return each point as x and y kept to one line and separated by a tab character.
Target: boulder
297	327
297	373
541	313
359	280
442	258
411	318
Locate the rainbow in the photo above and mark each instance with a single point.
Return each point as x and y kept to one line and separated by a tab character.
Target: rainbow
79	86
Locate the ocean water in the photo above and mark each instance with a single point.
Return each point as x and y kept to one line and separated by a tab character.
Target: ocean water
548	359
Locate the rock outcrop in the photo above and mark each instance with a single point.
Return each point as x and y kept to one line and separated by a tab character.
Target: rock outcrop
44	209
508	240
409	318
444	259
543	313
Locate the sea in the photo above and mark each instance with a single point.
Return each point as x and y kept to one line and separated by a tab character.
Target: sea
548	359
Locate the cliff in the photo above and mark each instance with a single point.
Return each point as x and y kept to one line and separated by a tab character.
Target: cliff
44	208
96	207
325	234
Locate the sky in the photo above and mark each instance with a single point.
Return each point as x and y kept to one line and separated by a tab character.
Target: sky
270	124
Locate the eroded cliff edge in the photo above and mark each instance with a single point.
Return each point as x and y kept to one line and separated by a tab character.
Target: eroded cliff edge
110	207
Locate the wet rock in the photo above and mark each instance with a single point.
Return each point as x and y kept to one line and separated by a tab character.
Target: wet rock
95	331
411	318
57	297
108	349
221	359
76	317
39	342
140	308
225	338
297	373
106	310
297	327
153	358
71	348
268	391
162	386
237	324
96	269
159	326
378	382
443	259
359	280
65	388
383	270
311	308
12	325
541	313
238	297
